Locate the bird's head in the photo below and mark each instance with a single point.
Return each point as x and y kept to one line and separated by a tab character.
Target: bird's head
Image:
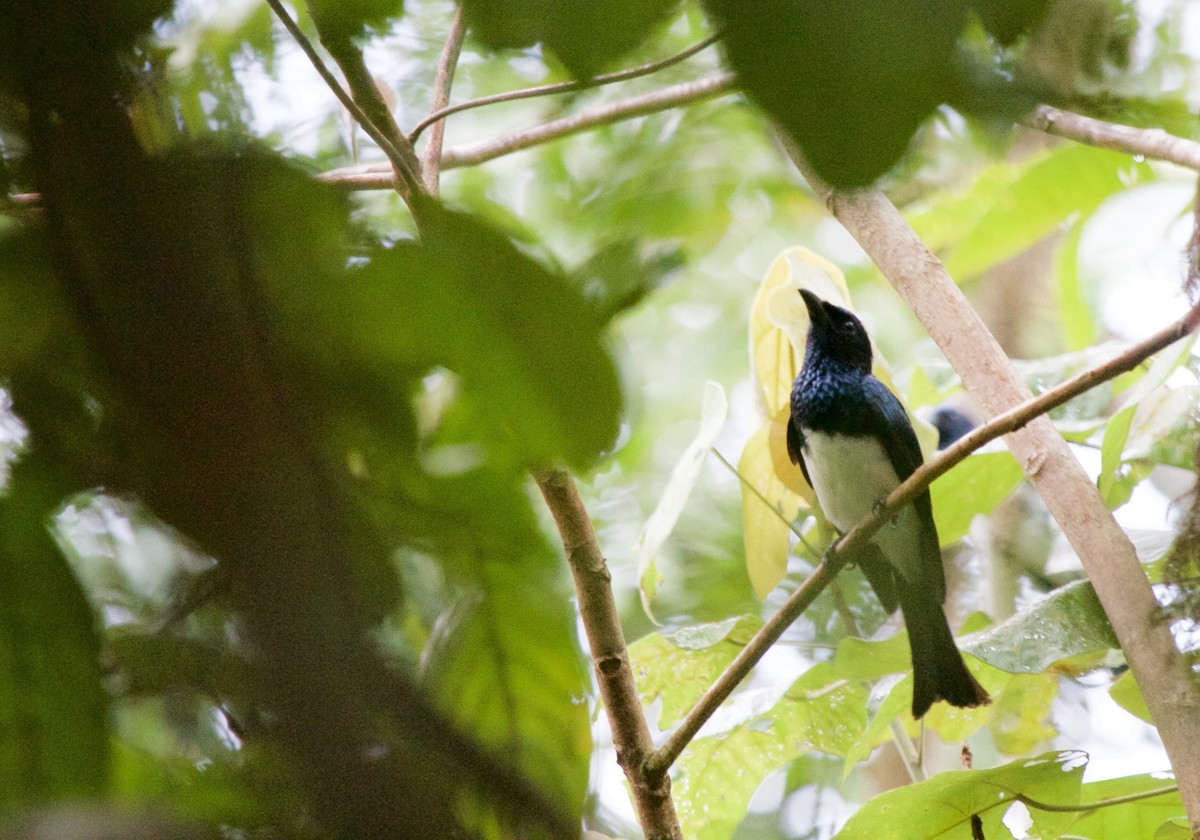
836	333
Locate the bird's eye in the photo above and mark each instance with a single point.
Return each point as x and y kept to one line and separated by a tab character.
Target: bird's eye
848	327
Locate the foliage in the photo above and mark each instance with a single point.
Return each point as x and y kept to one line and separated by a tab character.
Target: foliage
269	560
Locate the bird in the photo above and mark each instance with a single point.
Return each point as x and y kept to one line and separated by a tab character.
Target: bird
854	443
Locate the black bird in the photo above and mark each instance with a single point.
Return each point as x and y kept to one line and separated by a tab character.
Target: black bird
855	444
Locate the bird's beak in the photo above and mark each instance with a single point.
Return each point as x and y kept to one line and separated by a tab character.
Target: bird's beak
815	306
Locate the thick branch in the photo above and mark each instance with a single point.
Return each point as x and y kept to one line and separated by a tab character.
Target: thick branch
431	160
1104	549
441	112
610	656
1151	143
359	178
1004	423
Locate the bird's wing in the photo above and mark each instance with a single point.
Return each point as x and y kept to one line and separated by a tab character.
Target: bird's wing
892	424
795	446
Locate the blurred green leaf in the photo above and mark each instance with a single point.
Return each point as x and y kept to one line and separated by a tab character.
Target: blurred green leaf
341	19
621	274
586	37
1007	20
1071	180
679	667
1176	828
847	86
1020	719
505	664
524	344
943	806
1079	327
54	739
684	476
971	489
1067	622
1116	432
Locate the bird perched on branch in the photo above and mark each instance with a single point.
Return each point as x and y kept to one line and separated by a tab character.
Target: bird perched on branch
855	444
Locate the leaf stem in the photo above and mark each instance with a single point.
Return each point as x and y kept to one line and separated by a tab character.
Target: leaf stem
1099	803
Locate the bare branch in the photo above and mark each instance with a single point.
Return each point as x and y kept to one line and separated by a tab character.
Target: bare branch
404	176
1153	143
431	161
443	111
370	178
610	656
918	482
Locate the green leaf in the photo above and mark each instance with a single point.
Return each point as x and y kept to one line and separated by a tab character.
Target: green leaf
972	488
505	664
341	19
54	740
942	807
846	88
717	775
1079	324
1128	695
1072	180
1112	488
1140	818
525	345
1020	718
1067	622
679	667
1176	828
662	521
586	37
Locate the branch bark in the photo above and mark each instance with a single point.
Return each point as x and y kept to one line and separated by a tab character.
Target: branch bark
1004	423
370	178
610	656
1153	143
1107	554
431	160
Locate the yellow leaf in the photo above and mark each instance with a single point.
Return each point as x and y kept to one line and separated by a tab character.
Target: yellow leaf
779	321
768	506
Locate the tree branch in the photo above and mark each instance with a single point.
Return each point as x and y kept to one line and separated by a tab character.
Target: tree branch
441	112
431	161
1004	423
1104	549
405	166
1151	143
359	178
610	656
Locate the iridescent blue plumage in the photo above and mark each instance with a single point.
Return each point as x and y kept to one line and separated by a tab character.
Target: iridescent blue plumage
855	444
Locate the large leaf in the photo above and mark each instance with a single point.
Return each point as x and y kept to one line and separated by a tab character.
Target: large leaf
525	345
1140	818
1067	622
834	76
505	664
768	508
679	667
717	775
942	807
54	740
586	37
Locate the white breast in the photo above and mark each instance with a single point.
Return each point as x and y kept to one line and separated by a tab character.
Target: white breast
850	475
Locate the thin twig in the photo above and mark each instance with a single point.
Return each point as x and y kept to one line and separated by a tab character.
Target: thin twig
1151	143
431	160
403	172
918	482
444	111
369	178
758	493
610	655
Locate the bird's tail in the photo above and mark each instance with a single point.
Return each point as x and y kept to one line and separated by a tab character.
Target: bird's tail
939	672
